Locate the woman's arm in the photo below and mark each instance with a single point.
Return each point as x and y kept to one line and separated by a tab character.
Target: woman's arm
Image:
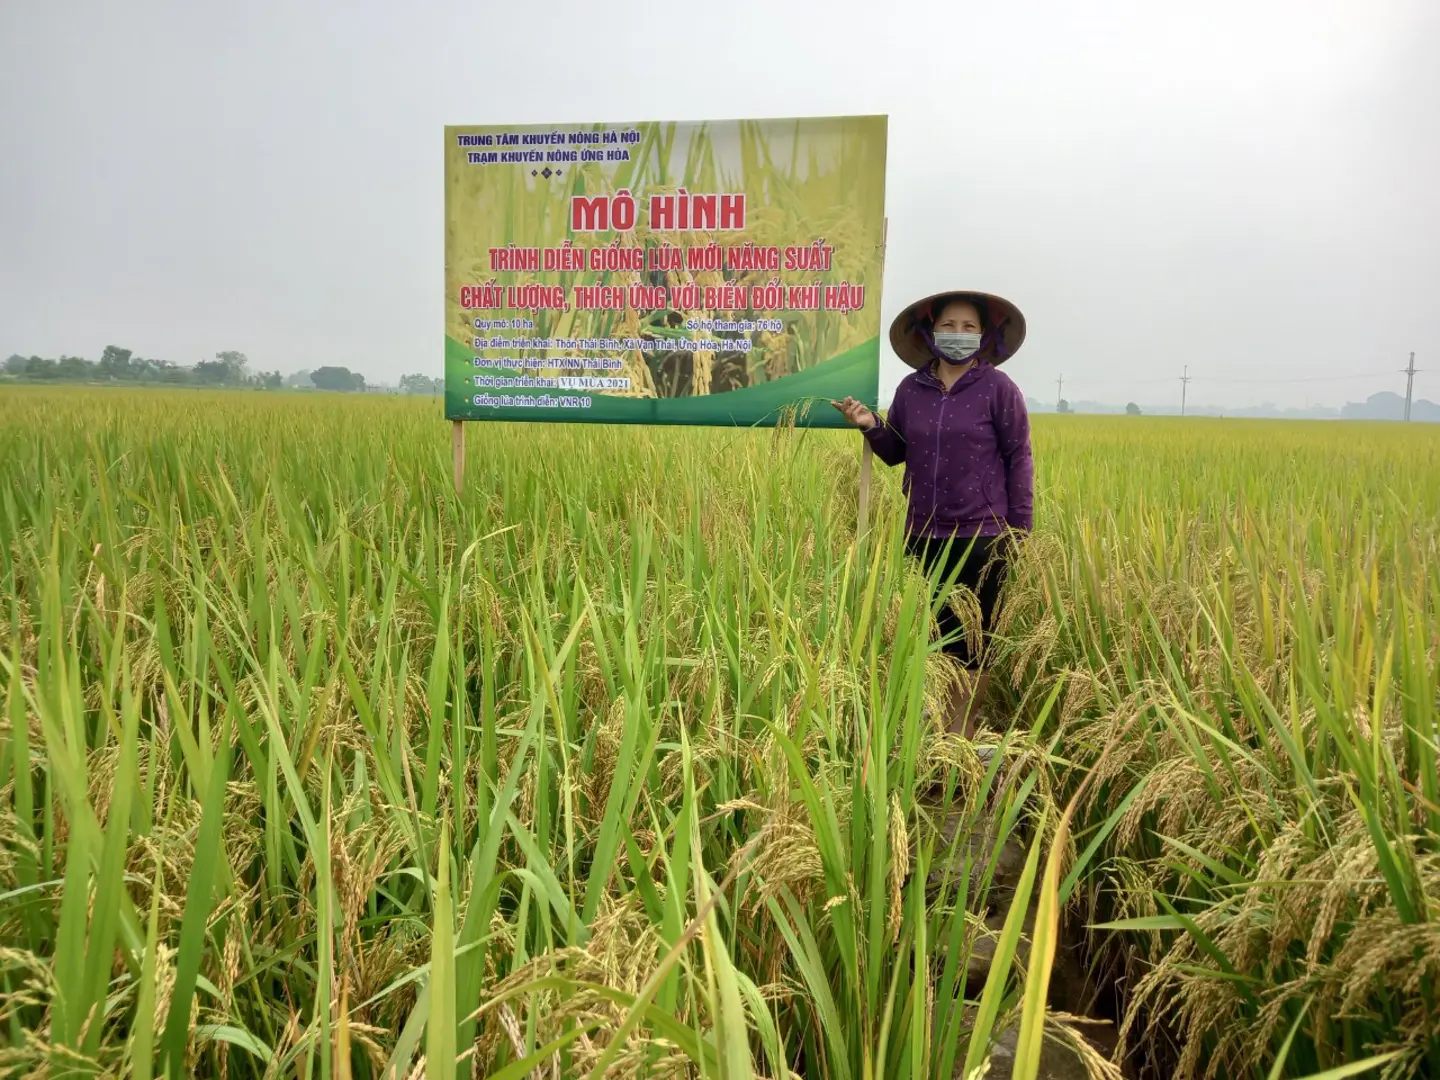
886	437
1012	429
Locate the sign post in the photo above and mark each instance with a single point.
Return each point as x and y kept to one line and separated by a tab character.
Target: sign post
866	457
867	454
457	453
722	273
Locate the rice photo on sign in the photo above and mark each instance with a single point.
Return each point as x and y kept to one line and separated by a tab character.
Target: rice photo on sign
716	273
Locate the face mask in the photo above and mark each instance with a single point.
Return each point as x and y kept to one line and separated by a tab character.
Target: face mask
957	347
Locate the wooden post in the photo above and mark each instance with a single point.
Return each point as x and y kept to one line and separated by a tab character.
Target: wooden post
866	456
457	451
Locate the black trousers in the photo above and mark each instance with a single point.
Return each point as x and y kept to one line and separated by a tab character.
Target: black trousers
980	566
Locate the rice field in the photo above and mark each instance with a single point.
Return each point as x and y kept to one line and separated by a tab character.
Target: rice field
619	765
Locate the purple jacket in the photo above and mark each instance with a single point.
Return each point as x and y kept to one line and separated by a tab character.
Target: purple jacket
968	469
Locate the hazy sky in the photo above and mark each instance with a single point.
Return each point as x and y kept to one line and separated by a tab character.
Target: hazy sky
1252	188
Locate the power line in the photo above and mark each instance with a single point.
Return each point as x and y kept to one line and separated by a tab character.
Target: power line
1059	391
1102	382
1292	379
1184	386
1087	380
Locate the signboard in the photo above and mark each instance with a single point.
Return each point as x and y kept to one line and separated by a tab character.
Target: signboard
721	273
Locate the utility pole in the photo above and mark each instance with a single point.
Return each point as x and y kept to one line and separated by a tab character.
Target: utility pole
1184	385
1059	392
1409	385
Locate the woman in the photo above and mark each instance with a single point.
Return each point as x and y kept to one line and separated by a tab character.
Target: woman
962	430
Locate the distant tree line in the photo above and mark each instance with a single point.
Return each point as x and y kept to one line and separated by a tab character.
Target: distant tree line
421	384
228	369
117	365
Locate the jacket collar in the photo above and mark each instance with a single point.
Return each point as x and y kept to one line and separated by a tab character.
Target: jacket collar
926	377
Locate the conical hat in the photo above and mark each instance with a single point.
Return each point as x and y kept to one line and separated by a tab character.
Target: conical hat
1005	332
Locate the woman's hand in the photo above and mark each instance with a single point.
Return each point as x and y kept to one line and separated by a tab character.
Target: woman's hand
856	413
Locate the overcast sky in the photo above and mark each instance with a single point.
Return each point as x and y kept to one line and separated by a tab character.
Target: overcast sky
1251	188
